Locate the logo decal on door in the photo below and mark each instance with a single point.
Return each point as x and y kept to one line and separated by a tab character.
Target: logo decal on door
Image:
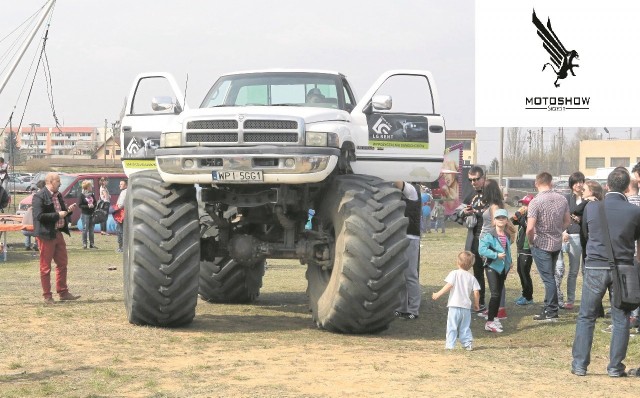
398	131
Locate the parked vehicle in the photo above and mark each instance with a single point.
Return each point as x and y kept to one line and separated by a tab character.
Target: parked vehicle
71	186
16	184
516	188
562	187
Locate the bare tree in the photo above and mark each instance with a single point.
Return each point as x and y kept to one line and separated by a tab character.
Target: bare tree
572	150
515	157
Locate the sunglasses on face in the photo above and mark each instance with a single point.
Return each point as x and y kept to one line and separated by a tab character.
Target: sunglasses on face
475	179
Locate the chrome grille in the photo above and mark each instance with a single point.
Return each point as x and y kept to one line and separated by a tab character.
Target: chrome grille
212	125
271	124
270	137
212	137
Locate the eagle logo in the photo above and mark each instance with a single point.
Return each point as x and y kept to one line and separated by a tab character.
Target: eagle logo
561	59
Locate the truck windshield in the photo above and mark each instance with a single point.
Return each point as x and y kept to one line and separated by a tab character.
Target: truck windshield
275	89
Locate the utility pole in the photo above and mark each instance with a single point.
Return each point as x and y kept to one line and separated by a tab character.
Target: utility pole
113	141
33	136
560	142
500	169
542	160
105	142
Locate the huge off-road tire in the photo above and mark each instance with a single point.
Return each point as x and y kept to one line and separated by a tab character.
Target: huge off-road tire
162	251
361	291
225	281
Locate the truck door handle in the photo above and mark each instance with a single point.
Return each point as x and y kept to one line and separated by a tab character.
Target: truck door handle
435	129
126	129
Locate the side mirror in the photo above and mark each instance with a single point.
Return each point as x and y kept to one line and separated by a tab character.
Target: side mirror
382	102
161	103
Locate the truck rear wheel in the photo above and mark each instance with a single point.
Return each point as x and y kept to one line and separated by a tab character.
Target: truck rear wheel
162	251
360	292
225	281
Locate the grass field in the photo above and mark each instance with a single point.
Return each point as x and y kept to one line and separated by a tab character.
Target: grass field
272	348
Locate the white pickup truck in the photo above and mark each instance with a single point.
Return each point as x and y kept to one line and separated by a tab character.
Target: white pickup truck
266	149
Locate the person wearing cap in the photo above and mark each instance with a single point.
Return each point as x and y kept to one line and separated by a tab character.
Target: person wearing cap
495	246
547	217
571	244
494	200
524	259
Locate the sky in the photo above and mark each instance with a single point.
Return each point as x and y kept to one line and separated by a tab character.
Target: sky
95	50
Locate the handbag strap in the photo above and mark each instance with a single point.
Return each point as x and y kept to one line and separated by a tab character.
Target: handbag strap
607	237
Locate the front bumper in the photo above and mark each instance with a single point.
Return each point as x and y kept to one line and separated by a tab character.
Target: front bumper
280	165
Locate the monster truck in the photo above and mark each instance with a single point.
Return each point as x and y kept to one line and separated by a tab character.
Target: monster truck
214	191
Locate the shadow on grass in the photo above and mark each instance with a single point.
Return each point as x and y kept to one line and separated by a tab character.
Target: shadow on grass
248	323
26	376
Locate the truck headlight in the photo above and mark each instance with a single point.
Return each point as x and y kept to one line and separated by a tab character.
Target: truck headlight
168	140
315	139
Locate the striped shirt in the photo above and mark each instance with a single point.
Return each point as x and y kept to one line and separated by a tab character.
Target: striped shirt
549	209
634	199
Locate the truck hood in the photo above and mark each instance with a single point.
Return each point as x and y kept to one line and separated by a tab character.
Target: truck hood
309	114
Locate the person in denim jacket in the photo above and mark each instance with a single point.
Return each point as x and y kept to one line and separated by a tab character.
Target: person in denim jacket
495	247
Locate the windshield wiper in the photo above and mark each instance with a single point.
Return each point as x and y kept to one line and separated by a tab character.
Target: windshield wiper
286	104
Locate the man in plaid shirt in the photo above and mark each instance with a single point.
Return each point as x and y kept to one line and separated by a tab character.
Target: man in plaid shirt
548	215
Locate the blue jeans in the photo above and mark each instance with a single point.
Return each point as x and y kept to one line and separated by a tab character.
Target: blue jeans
458	326
87	229
545	262
575	260
594	285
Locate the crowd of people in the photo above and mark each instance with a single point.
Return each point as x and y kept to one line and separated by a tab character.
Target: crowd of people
545	227
51	218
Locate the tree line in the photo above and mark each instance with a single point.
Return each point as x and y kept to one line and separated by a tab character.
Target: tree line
530	151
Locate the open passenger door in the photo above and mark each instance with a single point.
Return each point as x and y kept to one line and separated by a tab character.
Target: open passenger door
153	102
402	132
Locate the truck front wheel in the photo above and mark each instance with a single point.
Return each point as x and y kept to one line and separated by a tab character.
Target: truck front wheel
359	292
162	251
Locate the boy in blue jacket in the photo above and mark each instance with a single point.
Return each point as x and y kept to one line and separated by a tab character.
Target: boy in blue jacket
495	247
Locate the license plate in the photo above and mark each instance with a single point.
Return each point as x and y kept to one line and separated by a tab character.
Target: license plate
248	176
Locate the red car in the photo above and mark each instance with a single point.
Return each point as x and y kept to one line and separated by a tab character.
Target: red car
71	186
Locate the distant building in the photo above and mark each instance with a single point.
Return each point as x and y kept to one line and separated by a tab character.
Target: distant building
595	154
109	150
469	144
41	142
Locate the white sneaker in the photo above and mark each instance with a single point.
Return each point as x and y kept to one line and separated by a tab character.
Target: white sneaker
492	327
497	322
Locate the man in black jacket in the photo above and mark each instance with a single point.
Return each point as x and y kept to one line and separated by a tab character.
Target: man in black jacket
623	221
50	218
475	208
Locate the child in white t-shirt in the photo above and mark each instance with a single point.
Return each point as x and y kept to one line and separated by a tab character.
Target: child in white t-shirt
461	284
